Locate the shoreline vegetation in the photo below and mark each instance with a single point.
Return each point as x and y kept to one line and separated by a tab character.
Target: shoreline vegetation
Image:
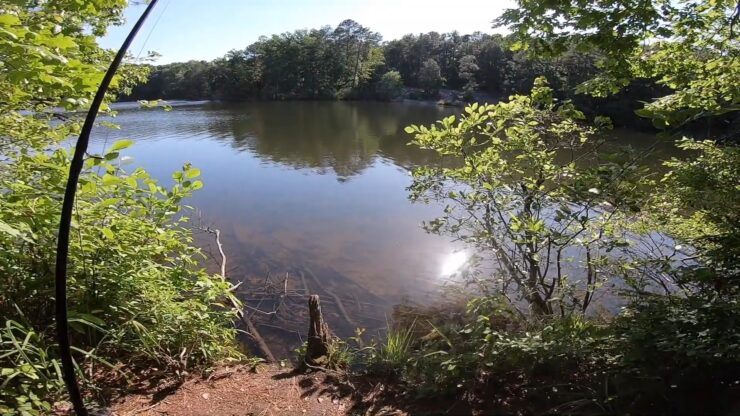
352	62
151	327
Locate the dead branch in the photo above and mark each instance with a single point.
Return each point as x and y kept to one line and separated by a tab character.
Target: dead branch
244	317
336	298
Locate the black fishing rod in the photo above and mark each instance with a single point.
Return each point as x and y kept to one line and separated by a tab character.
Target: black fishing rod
75	168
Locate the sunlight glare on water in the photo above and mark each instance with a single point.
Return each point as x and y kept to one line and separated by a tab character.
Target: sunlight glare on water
454	262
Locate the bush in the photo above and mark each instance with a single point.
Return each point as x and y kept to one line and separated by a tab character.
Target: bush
136	292
137	295
685	351
497	343
430	77
667	354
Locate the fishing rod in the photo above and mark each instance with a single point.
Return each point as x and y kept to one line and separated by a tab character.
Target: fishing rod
75	168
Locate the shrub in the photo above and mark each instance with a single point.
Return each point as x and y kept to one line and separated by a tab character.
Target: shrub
683	351
29	373
497	343
136	292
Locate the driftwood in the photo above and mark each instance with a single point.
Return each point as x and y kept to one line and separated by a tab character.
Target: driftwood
319	337
253	332
258	338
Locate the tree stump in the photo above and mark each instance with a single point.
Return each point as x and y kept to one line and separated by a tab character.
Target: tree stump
319	337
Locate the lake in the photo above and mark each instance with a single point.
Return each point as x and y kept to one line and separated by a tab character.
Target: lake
315	191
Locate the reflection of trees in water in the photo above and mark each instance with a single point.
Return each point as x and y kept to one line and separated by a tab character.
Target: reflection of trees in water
344	137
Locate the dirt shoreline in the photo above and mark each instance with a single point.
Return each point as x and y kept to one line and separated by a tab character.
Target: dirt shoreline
273	390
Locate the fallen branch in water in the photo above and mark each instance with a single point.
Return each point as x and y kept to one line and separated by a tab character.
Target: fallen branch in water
251	329
306	291
336	298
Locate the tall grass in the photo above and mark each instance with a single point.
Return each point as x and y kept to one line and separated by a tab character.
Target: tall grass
395	352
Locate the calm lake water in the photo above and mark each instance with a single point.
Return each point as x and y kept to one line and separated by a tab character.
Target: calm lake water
316	190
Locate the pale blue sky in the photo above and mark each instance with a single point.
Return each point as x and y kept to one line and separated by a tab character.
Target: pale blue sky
181	30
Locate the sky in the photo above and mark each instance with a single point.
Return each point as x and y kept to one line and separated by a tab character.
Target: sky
181	30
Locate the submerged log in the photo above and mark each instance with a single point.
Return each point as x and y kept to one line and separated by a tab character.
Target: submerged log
319	337
337	299
255	334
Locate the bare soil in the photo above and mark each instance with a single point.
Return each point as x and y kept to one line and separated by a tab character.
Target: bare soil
268	390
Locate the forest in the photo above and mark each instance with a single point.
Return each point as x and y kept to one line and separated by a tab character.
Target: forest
527	183
353	62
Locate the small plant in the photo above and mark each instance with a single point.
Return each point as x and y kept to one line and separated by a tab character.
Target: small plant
394	353
29	376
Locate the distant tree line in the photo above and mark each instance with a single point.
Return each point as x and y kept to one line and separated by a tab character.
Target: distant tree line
352	62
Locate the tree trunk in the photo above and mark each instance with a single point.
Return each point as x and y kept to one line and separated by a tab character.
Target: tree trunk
317	348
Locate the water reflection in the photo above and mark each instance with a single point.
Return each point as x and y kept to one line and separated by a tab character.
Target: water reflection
303	185
298	186
345	138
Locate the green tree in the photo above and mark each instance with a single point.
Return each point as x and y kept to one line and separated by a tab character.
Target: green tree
355	45
522	204
468	67
430	77
511	182
390	85
688	47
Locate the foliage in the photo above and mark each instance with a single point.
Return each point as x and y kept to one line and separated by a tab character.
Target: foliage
496	346
394	353
670	351
28	371
687	46
683	353
665	355
430	77
390	86
682	337
349	62
523	191
468	69
319	63
699	207
137	294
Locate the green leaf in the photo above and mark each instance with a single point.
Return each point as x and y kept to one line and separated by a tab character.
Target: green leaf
192	173
111	180
121	144
196	185
9	20
7	229
108	233
108	202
